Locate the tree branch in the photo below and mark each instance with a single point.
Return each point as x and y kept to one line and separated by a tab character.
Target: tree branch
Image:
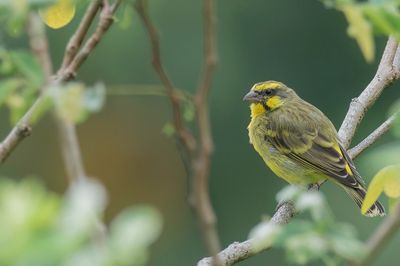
388	71
385	75
374	136
76	40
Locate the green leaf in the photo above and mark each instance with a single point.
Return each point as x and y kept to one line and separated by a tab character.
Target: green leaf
387	180
7	87
360	29
188	111
168	129
125	21
28	66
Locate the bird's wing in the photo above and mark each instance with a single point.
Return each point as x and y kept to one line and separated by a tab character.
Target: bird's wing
316	147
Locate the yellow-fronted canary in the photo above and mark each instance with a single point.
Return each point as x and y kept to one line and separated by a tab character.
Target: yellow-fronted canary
299	143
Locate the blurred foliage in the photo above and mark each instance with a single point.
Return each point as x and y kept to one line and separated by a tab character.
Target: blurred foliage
39	227
22	77
319	238
14	13
74	102
366	18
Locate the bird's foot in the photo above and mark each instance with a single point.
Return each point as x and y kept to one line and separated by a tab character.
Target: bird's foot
316	186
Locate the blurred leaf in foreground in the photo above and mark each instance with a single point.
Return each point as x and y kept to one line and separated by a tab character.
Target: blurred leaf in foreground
360	29
386	180
319	238
41	228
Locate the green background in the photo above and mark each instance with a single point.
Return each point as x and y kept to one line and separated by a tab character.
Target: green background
300	43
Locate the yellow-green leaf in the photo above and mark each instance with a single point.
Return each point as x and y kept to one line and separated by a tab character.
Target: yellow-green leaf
387	180
392	181
360	29
59	14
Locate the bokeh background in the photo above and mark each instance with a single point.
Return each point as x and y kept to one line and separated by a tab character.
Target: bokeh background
301	43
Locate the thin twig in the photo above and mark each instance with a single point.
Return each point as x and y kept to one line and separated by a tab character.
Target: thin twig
387	72
76	40
183	133
106	20
199	155
374	136
201	165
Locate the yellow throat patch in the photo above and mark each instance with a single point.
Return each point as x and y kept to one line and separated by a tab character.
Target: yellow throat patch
256	109
271	104
274	102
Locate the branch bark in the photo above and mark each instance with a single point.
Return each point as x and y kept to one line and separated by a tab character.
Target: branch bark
388	71
374	136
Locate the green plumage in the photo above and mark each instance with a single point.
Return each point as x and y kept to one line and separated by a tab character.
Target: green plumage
299	143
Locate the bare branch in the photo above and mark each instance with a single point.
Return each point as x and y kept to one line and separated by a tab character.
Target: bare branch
187	139
201	165
384	76
239	251
106	20
387	72
76	40
374	136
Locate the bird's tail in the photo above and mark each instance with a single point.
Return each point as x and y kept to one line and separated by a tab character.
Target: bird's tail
358	195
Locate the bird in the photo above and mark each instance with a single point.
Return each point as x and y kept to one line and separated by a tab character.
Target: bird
299	143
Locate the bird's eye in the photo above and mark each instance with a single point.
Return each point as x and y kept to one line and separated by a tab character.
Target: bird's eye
268	92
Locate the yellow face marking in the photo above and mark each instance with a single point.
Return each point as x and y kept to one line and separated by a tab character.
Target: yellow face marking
274	102
267	85
348	169
256	109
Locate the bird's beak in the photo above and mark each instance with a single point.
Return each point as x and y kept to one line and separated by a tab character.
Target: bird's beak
252	97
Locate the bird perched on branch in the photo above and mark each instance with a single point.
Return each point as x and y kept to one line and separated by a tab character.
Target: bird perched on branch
299	143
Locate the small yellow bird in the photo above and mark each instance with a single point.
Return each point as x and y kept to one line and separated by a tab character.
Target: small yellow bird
299	143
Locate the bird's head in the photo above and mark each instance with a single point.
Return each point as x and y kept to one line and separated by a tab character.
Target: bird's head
268	96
